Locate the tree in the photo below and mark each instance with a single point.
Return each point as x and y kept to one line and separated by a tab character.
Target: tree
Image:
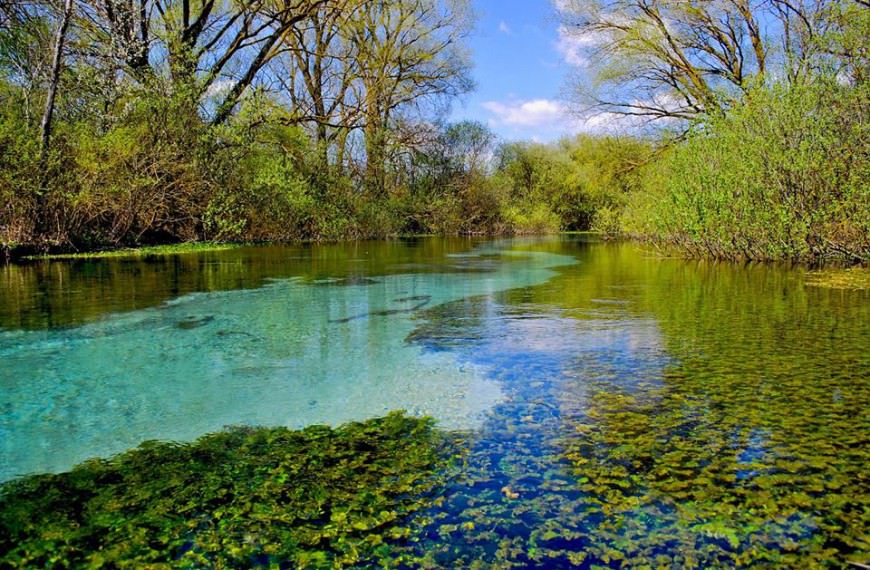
56	63
409	55
201	47
320	75
680	59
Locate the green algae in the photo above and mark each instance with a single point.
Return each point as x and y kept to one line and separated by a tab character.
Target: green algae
144	251
854	278
244	497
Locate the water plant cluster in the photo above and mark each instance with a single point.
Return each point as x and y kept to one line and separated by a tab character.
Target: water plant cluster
744	444
656	414
244	497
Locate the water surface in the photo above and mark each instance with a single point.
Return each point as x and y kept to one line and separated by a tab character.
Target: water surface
622	408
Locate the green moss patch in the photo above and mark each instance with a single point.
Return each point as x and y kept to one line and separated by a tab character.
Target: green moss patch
245	497
172	249
852	278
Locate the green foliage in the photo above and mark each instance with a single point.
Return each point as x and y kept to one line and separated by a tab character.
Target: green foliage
575	184
19	175
265	192
315	498
141	180
786	175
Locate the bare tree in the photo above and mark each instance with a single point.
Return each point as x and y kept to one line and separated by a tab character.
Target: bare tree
409	56
193	45
320	75
678	59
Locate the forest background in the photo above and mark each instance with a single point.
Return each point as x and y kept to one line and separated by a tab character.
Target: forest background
136	122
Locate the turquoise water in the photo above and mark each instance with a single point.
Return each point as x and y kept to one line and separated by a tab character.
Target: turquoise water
293	352
619	409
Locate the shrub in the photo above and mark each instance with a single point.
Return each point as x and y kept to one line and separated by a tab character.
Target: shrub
786	175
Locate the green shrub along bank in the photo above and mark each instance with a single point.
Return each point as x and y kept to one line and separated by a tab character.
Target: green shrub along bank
158	177
325	120
784	176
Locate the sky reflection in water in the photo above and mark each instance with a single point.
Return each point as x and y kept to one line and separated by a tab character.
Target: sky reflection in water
625	409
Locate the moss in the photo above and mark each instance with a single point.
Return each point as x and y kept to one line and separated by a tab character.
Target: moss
172	249
853	278
244	497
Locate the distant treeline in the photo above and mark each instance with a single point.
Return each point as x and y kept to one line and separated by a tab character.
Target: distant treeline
129	122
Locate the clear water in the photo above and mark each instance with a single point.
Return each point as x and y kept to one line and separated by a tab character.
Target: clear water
292	352
636	407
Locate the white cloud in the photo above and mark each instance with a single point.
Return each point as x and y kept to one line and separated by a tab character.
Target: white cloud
533	113
603	122
574	45
609	122
539	119
504	28
219	87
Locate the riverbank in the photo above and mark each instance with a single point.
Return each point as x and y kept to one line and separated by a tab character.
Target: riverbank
168	249
23	252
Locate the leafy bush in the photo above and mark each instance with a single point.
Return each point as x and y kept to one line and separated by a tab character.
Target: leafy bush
579	181
19	177
787	175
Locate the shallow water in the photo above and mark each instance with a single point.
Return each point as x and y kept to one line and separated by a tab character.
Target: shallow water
622	407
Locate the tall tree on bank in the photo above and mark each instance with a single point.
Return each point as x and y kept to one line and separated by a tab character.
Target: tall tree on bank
410	59
48	112
369	66
208	46
680	59
54	79
321	76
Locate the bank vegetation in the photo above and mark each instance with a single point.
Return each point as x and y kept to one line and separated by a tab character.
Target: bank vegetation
736	129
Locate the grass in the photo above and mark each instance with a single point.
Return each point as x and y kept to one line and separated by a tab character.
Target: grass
171	249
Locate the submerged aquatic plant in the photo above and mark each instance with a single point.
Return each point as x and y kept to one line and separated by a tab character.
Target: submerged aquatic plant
732	433
854	278
682	479
245	497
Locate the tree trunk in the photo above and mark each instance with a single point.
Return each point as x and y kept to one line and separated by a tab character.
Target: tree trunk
375	151
60	36
45	125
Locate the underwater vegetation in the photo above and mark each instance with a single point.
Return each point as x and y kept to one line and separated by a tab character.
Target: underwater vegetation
733	430
682	480
244	497
855	278
654	414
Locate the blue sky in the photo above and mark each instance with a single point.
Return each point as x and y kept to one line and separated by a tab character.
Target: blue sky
521	66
